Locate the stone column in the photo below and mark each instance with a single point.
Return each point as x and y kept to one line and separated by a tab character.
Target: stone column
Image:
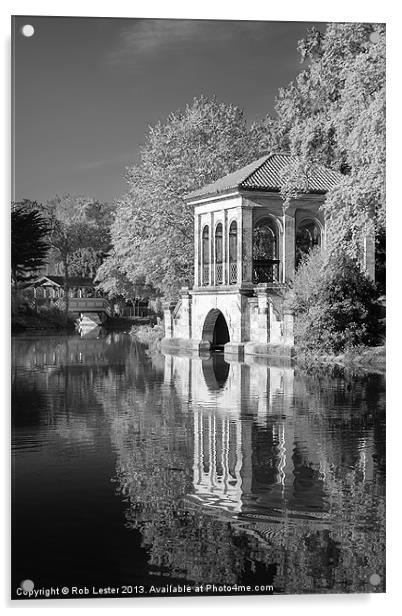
289	239
246	247
197	250
225	243
211	250
168	308
263	314
288	336
185	314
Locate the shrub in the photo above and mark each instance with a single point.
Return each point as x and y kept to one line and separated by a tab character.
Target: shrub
335	305
57	318
148	335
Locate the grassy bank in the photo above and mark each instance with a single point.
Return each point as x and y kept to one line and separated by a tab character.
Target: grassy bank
149	335
128	323
370	359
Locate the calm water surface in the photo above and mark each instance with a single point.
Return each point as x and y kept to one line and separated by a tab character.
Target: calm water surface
139	470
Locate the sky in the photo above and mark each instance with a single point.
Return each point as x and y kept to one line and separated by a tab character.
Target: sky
86	90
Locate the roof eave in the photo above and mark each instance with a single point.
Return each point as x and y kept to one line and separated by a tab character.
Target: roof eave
229	192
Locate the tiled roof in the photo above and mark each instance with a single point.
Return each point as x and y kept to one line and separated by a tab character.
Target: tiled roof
266	174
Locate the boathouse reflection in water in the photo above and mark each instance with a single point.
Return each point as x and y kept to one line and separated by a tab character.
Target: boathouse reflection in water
254	451
228	399
223	471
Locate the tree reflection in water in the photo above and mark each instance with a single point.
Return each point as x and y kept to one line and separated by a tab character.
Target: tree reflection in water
232	472
286	483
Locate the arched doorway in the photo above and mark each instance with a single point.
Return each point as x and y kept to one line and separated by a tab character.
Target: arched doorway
215	329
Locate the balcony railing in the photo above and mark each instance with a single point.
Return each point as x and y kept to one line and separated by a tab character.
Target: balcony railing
205	275
232	273
265	270
219	273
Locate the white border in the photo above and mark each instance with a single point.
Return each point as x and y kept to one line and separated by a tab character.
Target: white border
292	10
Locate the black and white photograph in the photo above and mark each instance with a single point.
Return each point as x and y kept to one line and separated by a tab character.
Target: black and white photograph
198	308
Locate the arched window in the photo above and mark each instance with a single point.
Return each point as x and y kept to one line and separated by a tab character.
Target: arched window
308	236
218	254
233	253
205	255
265	252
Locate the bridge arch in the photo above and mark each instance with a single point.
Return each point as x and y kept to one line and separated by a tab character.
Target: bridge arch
215	329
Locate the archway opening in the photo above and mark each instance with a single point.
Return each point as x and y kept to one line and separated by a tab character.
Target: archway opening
265	252
215	329
308	236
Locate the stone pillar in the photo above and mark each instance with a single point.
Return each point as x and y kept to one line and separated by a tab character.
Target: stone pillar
289	240
263	314
185	314
225	242
246	247
211	250
168	308
288	336
197	250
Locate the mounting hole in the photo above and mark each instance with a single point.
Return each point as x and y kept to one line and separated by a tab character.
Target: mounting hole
375	579
28	30
27	585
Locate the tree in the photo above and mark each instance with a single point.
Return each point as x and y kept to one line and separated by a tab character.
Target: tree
334	114
152	233
334	303
115	284
79	234
29	245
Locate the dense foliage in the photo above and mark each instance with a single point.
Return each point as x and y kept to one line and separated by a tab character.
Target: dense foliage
334	114
29	245
335	305
79	233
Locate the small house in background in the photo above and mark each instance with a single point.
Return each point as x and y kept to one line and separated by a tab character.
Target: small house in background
247	245
48	289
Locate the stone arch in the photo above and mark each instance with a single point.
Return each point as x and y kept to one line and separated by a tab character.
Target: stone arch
215	329
276	222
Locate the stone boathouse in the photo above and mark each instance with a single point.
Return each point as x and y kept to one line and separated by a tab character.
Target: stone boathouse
247	246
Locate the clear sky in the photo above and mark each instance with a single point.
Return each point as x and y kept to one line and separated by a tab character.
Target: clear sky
86	89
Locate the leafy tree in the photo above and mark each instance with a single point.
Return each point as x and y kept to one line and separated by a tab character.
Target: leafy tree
79	234
334	114
152	232
115	284
29	245
334	303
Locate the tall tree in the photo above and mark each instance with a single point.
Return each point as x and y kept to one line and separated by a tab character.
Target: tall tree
152	232
29	245
334	114
79	234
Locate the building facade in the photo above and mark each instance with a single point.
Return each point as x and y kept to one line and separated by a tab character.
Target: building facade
247	245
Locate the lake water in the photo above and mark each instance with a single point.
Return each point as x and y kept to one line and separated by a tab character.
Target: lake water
140	470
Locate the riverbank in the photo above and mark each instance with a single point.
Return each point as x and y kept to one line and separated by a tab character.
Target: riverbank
149	335
128	323
369	359
51	319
